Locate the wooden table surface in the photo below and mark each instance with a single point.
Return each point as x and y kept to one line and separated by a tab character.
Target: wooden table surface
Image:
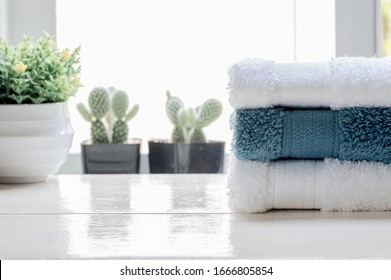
172	217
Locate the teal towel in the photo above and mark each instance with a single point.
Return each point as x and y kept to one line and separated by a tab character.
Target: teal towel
346	134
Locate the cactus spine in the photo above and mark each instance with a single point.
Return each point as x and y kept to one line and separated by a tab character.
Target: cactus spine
108	113
189	123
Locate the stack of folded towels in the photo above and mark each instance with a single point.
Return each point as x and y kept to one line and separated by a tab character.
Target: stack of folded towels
311	135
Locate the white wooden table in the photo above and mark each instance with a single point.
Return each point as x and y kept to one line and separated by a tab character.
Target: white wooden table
171	216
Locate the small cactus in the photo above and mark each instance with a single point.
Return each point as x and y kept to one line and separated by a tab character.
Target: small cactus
120	103
189	123
177	135
120	132
99	102
98	132
108	113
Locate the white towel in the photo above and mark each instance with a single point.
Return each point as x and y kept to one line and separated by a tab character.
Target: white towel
328	185
339	83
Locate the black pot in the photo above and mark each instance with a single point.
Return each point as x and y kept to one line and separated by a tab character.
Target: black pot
166	157
111	158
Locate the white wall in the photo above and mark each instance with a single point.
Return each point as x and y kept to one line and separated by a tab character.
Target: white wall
316	41
356	27
30	17
355	23
3	19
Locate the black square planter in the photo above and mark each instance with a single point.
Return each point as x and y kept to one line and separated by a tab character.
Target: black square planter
166	157
111	158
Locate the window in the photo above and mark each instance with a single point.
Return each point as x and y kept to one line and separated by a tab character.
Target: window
386	22
185	46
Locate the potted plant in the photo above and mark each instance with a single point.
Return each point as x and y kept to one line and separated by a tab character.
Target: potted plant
36	80
109	151
188	151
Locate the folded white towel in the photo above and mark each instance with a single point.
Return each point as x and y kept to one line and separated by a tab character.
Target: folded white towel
328	185
341	82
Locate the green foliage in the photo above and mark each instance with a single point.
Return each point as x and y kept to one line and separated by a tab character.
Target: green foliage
188	123
108	112
37	72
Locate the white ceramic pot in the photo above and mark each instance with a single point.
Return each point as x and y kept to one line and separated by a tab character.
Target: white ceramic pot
34	141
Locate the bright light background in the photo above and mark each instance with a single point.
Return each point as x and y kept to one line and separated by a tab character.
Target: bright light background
185	46
386	23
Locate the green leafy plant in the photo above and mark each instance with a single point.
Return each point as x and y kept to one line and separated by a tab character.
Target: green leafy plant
37	72
189	123
108	115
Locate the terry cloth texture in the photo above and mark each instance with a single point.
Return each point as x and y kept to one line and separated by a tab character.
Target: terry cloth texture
328	185
339	83
347	134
